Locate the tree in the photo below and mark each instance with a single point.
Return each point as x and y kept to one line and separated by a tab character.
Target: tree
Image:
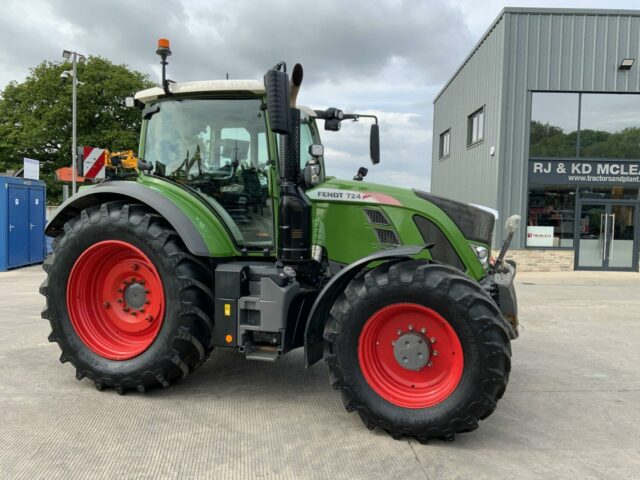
35	115
550	141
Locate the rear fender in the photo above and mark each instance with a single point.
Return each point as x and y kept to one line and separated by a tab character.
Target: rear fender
313	335
196	233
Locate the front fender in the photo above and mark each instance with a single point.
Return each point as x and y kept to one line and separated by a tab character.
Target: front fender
313	340
200	230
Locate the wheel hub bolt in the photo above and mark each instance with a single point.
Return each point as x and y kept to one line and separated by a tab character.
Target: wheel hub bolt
399	332
120	290
126	309
149	318
119	300
423	330
435	353
410	327
432	339
429	364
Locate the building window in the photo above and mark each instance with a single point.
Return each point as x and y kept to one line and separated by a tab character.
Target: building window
551	216
609	126
585	125
554	124
475	127
445	138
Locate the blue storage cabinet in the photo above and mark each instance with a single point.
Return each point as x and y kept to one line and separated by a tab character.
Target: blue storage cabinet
22	222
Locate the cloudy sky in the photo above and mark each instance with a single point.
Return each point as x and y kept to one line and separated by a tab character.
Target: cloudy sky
388	57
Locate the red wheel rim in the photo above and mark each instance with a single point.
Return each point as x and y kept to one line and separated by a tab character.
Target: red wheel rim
432	383
115	300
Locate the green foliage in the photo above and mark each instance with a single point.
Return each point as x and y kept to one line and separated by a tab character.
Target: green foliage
549	141
35	115
622	144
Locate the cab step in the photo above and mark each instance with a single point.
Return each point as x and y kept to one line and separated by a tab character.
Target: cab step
262	353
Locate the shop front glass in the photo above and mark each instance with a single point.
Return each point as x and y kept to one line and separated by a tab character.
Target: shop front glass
551	216
584	176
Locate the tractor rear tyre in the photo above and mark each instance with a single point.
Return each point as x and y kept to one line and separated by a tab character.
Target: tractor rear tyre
418	350
128	305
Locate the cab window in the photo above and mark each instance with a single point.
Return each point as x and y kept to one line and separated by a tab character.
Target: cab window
218	147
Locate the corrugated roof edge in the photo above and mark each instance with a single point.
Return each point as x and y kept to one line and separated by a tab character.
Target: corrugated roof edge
557	11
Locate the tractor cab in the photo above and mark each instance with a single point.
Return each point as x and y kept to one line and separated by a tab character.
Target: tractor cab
213	137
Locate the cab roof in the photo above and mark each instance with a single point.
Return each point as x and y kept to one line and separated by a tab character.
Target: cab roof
252	86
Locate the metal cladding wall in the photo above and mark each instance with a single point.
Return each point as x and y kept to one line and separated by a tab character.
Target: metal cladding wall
541	50
470	174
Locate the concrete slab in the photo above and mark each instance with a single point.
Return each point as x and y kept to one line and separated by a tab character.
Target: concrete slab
570	411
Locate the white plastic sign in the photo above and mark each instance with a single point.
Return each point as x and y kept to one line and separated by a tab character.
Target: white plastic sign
31	169
539	236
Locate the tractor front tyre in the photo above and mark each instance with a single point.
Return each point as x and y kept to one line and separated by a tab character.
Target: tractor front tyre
418	350
128	305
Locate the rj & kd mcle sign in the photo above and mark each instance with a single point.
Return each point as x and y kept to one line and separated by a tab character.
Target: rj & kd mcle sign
564	172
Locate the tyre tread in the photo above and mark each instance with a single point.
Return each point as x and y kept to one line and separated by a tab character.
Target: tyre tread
191	346
492	330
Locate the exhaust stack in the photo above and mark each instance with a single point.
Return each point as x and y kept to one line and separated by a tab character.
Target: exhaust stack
296	81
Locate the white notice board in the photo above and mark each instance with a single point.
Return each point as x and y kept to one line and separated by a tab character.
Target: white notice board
31	169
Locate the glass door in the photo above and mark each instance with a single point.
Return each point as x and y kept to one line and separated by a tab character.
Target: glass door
622	245
591	238
607	237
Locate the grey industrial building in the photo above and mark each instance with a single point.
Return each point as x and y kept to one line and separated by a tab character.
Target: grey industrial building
542	119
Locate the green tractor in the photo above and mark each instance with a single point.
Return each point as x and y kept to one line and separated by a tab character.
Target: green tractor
230	234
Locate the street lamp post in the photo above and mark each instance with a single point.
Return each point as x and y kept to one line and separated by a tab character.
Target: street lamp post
75	58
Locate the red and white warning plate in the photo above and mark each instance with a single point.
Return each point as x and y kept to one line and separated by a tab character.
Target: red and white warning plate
93	162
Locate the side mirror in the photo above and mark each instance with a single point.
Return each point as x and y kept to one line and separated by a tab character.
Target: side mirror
316	150
512	224
276	83
374	144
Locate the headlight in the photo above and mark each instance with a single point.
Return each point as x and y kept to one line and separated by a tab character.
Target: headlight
482	253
